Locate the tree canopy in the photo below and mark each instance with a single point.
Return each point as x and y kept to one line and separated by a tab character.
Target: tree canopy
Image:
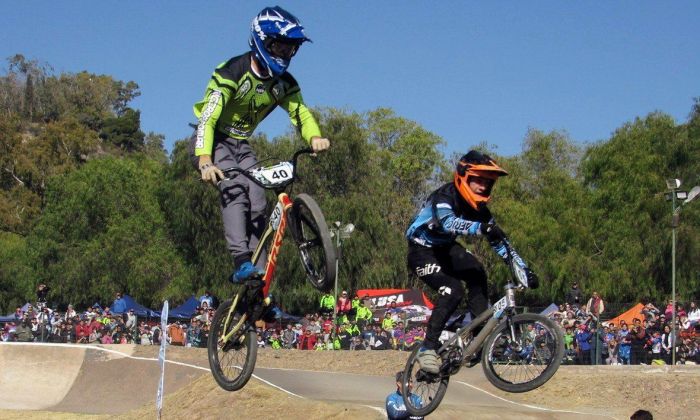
91	205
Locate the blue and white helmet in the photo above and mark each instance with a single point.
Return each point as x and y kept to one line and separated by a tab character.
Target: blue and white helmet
275	36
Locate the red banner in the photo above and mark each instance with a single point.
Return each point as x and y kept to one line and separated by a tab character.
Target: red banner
382	298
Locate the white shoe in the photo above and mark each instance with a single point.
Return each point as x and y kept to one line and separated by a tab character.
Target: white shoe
428	361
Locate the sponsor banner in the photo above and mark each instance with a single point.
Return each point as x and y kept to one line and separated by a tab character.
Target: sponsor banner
383	298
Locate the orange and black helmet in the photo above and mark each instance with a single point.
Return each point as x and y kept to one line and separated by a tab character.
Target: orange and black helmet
476	164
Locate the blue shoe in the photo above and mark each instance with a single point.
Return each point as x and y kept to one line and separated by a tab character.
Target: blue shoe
244	272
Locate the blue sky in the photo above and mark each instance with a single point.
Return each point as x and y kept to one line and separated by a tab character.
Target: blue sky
470	72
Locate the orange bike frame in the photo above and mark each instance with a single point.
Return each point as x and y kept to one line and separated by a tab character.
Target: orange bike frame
285	203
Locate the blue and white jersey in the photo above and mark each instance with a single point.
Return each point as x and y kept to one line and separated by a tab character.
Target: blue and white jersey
444	216
396	408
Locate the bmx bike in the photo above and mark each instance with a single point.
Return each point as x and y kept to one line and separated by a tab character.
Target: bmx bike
232	344
518	352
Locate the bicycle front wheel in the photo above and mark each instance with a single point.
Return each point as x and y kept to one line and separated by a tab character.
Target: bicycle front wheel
426	390
314	242
231	361
522	358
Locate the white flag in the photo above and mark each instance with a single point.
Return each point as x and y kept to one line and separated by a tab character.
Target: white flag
161	355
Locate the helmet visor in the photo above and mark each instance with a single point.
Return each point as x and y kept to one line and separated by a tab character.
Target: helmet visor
282	49
481	185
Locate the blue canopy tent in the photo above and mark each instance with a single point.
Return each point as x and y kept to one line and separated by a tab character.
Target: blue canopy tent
139	309
549	309
8	318
186	310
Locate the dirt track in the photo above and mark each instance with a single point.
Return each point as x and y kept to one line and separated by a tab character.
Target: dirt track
125	387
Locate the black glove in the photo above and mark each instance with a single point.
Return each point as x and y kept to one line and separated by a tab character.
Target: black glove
533	282
492	232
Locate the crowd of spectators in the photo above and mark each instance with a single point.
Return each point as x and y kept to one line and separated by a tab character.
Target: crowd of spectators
649	339
356	327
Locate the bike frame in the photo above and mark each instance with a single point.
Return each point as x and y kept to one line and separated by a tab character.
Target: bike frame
277	223
492	317
503	308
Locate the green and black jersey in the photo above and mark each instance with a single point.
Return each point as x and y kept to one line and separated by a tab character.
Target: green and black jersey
236	101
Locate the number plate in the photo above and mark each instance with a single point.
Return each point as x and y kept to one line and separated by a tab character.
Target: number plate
276	216
500	306
276	174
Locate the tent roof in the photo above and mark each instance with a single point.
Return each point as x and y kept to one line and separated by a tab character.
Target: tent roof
186	310
549	309
629	315
139	309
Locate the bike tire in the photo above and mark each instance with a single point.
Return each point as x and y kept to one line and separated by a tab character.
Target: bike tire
429	388
313	240
517	369
232	367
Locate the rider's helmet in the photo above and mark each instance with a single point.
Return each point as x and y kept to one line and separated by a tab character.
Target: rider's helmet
476	164
275	36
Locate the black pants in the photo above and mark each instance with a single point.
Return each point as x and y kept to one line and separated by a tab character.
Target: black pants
444	269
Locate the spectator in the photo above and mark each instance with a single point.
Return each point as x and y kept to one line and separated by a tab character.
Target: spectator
70	313
289	338
42	291
387	322
176	335
307	341
595	306
23	330
344	337
156	335
18	314
667	343
130	321
119	304
655	346
650	311
344	304
363	315
395	406
327	304
106	336
275	341
206	298
82	331
327	327
357	343
583	342
613	351
574	296
693	314
639	340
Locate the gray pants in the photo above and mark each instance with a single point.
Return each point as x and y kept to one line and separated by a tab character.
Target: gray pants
242	201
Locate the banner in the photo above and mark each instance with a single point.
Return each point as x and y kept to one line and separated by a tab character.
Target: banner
161	356
383	298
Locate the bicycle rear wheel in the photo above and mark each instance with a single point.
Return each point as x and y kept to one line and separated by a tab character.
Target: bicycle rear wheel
527	362
316	249
429	388
231	362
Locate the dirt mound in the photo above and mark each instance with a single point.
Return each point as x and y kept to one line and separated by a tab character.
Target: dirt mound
125	388
204	399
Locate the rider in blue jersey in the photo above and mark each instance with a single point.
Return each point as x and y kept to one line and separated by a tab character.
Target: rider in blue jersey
456	209
395	406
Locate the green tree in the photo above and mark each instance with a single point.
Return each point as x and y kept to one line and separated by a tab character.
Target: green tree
103	231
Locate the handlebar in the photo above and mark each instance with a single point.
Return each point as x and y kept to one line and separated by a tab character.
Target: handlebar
230	173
